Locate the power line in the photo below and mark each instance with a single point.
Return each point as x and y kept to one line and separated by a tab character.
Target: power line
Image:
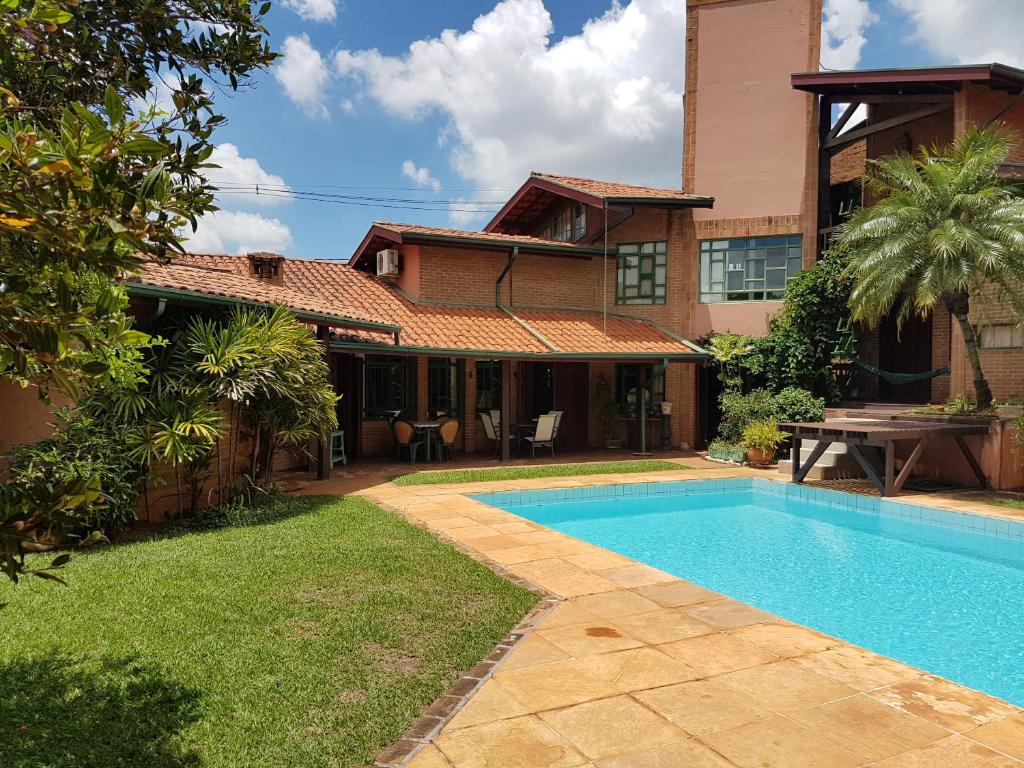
424	190
360	203
260	189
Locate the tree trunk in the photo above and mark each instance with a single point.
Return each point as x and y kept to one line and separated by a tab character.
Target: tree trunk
959	307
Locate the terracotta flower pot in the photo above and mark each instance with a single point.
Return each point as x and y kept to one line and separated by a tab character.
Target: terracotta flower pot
760	456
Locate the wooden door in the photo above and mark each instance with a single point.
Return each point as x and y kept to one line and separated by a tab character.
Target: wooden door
571	394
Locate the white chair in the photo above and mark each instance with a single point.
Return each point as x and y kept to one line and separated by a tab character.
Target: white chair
491	432
496	418
544	437
558	421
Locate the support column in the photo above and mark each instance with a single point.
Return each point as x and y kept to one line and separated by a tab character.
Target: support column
323	449
506	409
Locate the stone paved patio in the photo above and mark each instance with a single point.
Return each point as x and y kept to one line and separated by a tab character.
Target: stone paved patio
634	667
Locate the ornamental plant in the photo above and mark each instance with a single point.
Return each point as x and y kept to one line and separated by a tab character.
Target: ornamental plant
764	436
947	229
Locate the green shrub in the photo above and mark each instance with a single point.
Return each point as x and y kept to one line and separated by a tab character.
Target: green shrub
82	447
721	449
795	404
791	404
960	404
764	435
268	507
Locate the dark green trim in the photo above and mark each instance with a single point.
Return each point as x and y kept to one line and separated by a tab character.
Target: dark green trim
141	289
641	300
488	354
663	202
580	251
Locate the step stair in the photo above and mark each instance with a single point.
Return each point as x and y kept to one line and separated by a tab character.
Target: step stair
836	463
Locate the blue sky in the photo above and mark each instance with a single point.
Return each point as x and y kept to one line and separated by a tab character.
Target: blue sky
374	98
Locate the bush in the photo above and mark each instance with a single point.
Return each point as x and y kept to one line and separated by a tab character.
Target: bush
791	404
763	435
239	513
83	447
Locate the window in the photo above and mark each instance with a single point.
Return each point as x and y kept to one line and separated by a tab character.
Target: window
386	386
569	224
641	273
488	385
748	269
1001	336
627	383
442	387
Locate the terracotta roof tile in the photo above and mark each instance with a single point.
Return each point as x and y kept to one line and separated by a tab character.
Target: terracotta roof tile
612	189
419	229
331	287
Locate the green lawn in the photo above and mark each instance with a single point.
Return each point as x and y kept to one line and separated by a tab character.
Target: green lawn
312	640
527	473
1008	503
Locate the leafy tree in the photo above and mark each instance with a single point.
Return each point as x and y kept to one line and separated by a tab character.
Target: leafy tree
947	229
730	351
802	337
92	181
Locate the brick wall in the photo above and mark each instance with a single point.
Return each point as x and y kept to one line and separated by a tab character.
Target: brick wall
849	163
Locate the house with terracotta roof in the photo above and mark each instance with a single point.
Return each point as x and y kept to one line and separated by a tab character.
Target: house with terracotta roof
577	281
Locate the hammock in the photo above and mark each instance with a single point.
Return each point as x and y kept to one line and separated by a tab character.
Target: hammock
900	378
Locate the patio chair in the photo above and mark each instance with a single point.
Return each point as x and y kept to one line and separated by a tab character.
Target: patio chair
544	437
407	438
558	423
491	432
446	437
496	419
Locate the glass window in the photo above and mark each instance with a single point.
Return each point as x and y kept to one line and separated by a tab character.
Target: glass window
488	385
1001	336
748	269
641	273
569	224
386	386
627	384
442	387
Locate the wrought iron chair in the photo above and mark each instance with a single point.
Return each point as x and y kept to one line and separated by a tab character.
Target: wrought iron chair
407	438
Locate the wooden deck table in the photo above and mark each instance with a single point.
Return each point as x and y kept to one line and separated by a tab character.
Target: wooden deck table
884	434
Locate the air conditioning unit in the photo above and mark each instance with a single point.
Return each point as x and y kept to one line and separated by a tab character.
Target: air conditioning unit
387	262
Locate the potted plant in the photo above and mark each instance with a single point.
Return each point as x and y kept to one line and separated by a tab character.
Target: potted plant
762	439
721	450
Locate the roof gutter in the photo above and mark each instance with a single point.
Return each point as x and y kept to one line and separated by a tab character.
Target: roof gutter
569	250
158	292
664	202
383	349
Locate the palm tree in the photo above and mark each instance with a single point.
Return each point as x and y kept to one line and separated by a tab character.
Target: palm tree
947	230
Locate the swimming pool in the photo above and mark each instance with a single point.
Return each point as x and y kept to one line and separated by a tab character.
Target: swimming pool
938	589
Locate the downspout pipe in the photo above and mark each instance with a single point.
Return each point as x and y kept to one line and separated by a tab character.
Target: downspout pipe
504	273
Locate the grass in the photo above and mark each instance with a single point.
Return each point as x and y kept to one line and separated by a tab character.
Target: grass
1008	503
311	640
528	473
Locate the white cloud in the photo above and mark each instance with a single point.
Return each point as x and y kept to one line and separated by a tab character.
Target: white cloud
420	176
472	210
607	102
314	10
235	171
238	232
303	74
843	27
975	32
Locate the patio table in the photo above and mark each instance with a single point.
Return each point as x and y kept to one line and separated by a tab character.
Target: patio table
428	428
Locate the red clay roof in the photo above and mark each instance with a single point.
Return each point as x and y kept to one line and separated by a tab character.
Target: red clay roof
228	277
385	233
336	289
612	189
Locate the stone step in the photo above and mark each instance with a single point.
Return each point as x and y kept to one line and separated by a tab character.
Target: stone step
841	471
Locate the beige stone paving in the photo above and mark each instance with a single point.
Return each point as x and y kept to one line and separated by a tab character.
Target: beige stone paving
639	669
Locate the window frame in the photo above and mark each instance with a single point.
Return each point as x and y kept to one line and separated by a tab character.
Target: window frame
755	253
568	224
1016	337
398	373
450	372
493	388
628	375
658	255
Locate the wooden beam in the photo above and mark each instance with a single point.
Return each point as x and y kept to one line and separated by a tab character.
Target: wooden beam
909	465
866	466
884	125
843	120
505	429
889	459
816	454
824	171
323	450
794	458
969	455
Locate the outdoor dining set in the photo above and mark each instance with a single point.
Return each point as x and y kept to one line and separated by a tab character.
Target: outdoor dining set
436	438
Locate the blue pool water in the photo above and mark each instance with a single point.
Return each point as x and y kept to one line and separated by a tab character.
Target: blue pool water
937	589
